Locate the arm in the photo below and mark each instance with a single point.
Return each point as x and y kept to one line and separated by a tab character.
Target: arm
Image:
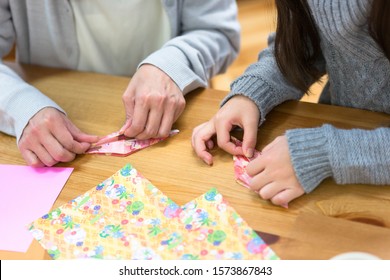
265	85
262	86
18	100
206	42
353	156
45	136
205	45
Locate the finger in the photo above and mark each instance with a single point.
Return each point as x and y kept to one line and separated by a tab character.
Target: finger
180	106
202	151
210	144
270	145
31	159
166	124
259	180
202	136
126	125
284	197
33	151
250	137
269	190
140	117
224	140
256	166
152	124
43	155
128	100
80	136
170	116
72	140
56	150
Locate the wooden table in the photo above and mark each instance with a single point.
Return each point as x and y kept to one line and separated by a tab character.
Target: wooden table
331	220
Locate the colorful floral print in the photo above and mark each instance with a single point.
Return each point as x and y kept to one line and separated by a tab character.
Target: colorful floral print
126	217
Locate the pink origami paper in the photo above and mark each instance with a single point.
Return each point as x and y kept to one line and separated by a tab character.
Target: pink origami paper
26	194
240	164
127	217
119	145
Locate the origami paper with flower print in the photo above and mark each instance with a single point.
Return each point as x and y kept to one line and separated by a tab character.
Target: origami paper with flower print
126	217
119	145
240	164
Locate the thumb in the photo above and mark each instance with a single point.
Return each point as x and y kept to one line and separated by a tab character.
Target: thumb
80	136
126	125
128	100
249	139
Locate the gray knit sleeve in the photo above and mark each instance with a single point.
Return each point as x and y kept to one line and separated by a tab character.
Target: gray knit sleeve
264	84
353	156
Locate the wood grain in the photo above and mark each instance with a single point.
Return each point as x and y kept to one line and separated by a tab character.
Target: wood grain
93	102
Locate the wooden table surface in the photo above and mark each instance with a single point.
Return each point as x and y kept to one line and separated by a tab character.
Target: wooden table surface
331	220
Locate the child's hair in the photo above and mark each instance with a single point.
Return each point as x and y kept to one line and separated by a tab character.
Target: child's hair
297	42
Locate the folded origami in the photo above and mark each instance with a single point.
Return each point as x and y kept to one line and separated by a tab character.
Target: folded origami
126	217
240	164
119	145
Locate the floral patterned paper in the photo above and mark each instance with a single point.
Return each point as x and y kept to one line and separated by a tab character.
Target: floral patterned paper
119	145
240	164
126	217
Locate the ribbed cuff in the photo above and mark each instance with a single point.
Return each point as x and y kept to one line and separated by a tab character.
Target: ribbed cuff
175	64
309	155
26	103
253	88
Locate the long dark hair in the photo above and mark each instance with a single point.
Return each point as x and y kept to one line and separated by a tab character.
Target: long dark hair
297	42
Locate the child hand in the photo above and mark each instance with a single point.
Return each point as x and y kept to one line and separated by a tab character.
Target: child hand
273	175
238	111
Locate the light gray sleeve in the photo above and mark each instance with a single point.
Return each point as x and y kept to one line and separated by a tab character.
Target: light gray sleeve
18	100
207	43
7	34
353	156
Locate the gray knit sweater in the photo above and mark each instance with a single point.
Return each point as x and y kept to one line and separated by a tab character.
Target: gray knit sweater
359	77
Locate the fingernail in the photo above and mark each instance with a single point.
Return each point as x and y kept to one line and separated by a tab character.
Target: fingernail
125	126
249	153
284	205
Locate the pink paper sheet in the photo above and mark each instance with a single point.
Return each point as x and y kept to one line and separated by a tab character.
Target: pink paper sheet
26	193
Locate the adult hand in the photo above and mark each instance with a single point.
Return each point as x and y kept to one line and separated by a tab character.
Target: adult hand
273	175
153	102
50	137
238	111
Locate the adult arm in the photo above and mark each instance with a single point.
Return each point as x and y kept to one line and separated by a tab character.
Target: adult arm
205	42
44	134
19	101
